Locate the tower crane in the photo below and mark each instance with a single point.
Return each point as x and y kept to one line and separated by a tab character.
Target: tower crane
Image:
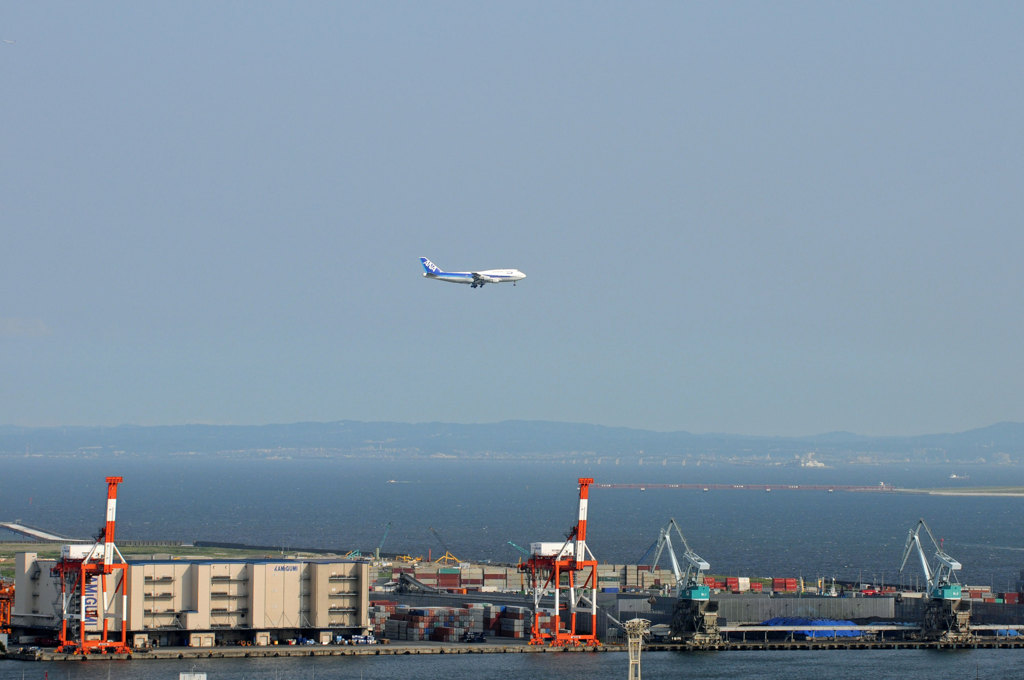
946	615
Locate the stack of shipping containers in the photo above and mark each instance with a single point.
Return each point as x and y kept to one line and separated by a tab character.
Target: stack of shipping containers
449	624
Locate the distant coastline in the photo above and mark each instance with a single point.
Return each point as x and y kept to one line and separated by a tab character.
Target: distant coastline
515	440
1013	491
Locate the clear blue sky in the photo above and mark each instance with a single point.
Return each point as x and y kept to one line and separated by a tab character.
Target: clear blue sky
743	217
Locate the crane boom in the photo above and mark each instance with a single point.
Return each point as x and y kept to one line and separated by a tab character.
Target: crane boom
380	544
940	578
439	539
581	523
689	581
914	541
108	529
519	548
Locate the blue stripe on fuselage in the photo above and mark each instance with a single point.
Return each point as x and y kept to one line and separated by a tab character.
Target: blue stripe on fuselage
453	277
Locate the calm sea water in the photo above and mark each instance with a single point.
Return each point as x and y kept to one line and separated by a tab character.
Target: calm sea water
476	508
840	665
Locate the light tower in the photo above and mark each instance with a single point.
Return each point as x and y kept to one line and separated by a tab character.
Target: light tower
636	629
569	571
86	606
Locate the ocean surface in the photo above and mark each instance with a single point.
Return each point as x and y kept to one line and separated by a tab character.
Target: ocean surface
1005	664
474	509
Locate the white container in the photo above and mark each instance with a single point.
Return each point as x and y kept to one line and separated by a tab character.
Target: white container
77	551
551	549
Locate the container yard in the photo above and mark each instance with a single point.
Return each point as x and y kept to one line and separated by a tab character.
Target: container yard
559	597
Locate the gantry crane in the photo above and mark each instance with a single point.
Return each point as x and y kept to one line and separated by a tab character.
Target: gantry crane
553	567
695	616
947	616
6	604
86	605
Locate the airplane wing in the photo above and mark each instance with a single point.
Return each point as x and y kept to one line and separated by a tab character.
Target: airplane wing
481	279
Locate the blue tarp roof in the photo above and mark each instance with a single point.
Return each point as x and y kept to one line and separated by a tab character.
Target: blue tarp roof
800	621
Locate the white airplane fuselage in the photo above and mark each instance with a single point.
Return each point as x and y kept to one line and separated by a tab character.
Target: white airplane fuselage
474	279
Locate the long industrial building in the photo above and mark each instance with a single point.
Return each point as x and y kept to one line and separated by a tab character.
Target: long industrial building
197	602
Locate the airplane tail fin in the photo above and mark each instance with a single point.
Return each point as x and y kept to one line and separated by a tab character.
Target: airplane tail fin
429	267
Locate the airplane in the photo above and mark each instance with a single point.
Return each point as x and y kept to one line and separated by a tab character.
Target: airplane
474	279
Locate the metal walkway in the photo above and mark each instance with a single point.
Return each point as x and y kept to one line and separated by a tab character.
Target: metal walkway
32	532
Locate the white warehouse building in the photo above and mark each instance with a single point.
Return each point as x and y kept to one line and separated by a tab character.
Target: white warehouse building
199	602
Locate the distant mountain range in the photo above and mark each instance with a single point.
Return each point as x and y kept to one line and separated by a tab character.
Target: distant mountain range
512	439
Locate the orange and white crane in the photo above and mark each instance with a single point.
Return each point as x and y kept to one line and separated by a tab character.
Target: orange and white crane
6	604
87	607
569	571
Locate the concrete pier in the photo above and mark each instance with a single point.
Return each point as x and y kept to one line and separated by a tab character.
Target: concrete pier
232	652
416	648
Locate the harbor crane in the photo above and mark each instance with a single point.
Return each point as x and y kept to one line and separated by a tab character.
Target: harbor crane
448	558
568	570
695	616
689	582
519	548
946	615
6	603
86	606
380	543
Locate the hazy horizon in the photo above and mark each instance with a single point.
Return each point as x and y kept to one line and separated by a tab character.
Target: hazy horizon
807	435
